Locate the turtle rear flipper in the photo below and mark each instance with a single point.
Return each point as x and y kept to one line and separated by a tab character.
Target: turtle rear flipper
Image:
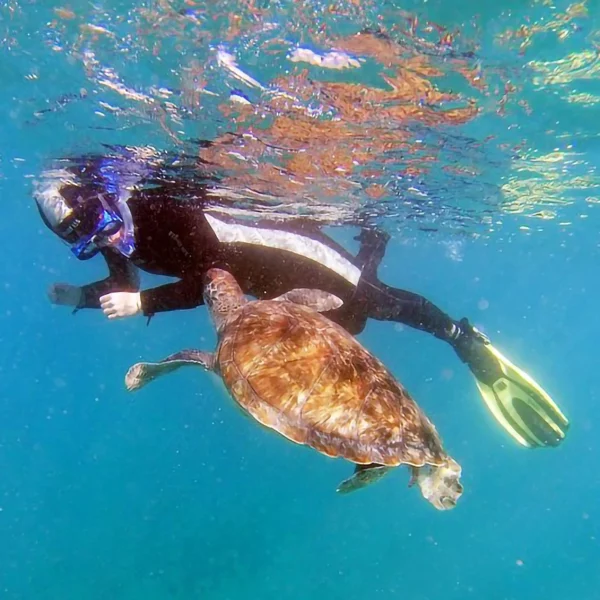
363	476
144	372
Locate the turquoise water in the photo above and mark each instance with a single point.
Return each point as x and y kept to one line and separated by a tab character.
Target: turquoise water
171	493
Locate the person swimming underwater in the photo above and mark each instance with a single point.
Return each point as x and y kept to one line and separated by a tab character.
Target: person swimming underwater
113	206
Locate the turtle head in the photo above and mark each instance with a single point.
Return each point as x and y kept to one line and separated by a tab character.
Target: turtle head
222	295
440	485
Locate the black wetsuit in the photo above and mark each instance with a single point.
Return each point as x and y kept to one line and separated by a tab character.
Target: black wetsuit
175	237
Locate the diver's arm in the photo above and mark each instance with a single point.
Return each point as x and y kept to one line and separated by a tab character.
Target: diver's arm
123	277
183	294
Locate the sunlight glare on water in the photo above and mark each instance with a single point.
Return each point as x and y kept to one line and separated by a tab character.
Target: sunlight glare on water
337	109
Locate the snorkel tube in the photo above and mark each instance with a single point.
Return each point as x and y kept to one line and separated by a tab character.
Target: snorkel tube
112	180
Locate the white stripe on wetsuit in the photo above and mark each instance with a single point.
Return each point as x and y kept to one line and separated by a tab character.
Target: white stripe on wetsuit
283	240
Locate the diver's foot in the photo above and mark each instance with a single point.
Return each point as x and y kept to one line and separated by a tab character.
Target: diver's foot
373	237
472	348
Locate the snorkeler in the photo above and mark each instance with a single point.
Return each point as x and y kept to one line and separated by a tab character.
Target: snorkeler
121	209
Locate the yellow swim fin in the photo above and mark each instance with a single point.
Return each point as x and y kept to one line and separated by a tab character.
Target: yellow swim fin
515	399
522	406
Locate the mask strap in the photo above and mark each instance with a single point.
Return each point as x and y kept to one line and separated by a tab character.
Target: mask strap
126	244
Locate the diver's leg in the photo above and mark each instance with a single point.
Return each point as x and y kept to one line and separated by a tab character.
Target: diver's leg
375	300
386	303
350	316
353	315
373	244
515	399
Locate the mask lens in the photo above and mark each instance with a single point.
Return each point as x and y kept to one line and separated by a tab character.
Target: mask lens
88	246
70	230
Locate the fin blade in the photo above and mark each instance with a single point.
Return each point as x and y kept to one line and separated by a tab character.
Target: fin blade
523	407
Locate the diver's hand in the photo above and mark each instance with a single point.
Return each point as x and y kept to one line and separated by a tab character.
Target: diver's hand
121	304
64	294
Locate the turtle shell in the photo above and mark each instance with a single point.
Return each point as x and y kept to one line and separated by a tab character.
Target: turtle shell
297	372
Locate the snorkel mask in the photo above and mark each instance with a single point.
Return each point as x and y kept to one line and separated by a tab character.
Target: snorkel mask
87	204
90	229
108	224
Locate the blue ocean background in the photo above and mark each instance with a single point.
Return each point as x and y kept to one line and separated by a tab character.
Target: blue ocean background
172	494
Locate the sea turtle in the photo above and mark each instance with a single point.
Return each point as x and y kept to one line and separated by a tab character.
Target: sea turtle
297	372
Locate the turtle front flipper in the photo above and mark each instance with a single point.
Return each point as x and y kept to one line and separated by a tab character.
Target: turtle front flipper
144	372
363	476
316	299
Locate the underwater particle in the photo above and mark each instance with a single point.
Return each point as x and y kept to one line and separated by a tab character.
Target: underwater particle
447	374
483	304
96	29
453	250
108	107
59	382
519	562
64	13
399	327
543	214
